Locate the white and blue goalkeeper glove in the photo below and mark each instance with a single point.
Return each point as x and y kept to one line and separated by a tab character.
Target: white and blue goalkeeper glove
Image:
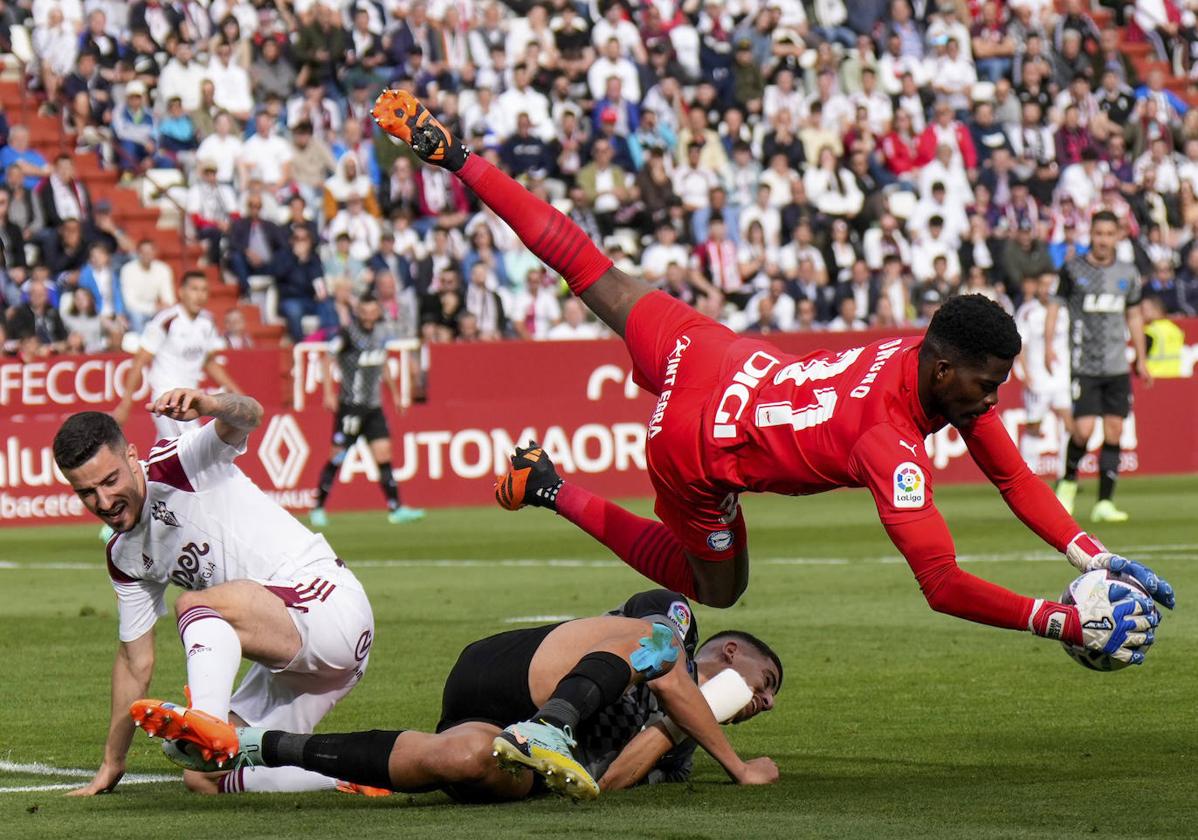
1108	617
1086	553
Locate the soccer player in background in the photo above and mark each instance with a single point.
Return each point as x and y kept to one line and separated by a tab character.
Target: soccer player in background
1045	395
178	346
360	348
260	585
579	699
736	414
1102	296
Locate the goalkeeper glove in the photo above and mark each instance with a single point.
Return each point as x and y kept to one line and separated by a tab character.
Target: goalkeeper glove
1110	618
1086	553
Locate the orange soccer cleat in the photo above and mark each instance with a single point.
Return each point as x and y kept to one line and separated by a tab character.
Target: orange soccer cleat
532	480
401	115
215	739
362	790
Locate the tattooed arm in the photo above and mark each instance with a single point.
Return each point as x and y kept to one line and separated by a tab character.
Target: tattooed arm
236	415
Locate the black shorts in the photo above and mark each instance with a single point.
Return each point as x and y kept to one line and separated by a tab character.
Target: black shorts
353	421
489	682
1101	396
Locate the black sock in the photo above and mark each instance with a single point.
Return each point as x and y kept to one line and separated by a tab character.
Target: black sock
360	757
387	482
1074	452
1108	470
596	682
325	485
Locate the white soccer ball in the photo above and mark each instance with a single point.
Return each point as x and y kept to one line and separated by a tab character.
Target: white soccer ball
1080	591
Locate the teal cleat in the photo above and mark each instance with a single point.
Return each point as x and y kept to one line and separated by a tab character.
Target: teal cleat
546	750
318	518
402	515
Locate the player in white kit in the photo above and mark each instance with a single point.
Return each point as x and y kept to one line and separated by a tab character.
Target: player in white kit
1045	394
178	346
259	585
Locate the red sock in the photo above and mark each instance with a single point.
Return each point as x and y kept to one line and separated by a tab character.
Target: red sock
558	242
644	544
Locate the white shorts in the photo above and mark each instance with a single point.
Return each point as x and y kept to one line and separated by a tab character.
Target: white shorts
1037	403
336	626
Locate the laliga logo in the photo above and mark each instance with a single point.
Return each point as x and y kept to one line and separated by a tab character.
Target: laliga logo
283	451
908	480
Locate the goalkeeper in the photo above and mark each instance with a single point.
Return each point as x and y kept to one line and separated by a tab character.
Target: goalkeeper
624	698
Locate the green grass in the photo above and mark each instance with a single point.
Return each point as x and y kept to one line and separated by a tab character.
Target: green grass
894	721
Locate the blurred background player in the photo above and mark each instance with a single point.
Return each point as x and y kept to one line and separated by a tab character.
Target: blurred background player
178	347
260	585
1044	394
360	349
1102	296
623	725
736	414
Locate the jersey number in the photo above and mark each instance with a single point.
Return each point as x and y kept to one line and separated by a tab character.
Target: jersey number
756	368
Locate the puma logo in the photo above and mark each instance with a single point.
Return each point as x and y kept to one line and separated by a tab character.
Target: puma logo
910	446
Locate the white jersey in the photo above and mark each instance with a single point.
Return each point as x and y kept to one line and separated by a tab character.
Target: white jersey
204	523
180	344
1030	320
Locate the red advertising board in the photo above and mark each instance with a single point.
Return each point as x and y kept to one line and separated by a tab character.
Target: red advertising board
576	398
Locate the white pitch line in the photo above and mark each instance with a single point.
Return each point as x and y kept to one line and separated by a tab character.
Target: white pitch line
39	769
538	619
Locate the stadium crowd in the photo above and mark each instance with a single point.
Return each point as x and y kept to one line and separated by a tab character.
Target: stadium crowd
779	164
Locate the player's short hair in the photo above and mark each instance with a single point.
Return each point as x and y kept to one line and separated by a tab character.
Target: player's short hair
193	275
1104	216
752	641
970	329
82	436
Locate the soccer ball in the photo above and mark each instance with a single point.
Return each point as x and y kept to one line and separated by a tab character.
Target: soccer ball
1080	591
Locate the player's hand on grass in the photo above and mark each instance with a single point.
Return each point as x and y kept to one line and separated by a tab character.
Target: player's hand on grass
1087	554
758	771
181	404
105	780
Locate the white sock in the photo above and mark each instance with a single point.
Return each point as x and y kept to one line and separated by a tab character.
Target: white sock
275	780
1029	448
213	657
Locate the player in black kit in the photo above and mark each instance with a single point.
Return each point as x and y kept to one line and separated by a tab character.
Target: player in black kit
630	724
360	349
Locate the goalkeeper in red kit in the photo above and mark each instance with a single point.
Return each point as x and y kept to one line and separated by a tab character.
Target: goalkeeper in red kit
735	414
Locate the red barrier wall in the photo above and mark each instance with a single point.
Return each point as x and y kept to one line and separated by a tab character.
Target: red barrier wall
575	397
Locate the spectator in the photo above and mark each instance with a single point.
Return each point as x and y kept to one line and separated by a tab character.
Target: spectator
846	319
37	318
85	329
136	132
235	333
64	252
832	188
99	278
524	151
1025	256
441	307
56	44
485	305
28	162
211	208
272	72
63	196
299	277
253	243
147	286
574	325
182	77
265	155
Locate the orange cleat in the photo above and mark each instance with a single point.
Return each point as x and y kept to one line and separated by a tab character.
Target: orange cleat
362	790
401	115
532	480
215	739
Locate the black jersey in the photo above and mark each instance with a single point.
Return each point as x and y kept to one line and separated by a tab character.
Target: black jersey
1097	297
361	356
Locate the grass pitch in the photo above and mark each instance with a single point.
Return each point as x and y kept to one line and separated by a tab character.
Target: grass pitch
893	722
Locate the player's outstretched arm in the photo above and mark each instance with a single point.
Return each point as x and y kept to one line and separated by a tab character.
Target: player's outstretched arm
132	382
236	415
131	673
690	712
638	757
1034	502
221	376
